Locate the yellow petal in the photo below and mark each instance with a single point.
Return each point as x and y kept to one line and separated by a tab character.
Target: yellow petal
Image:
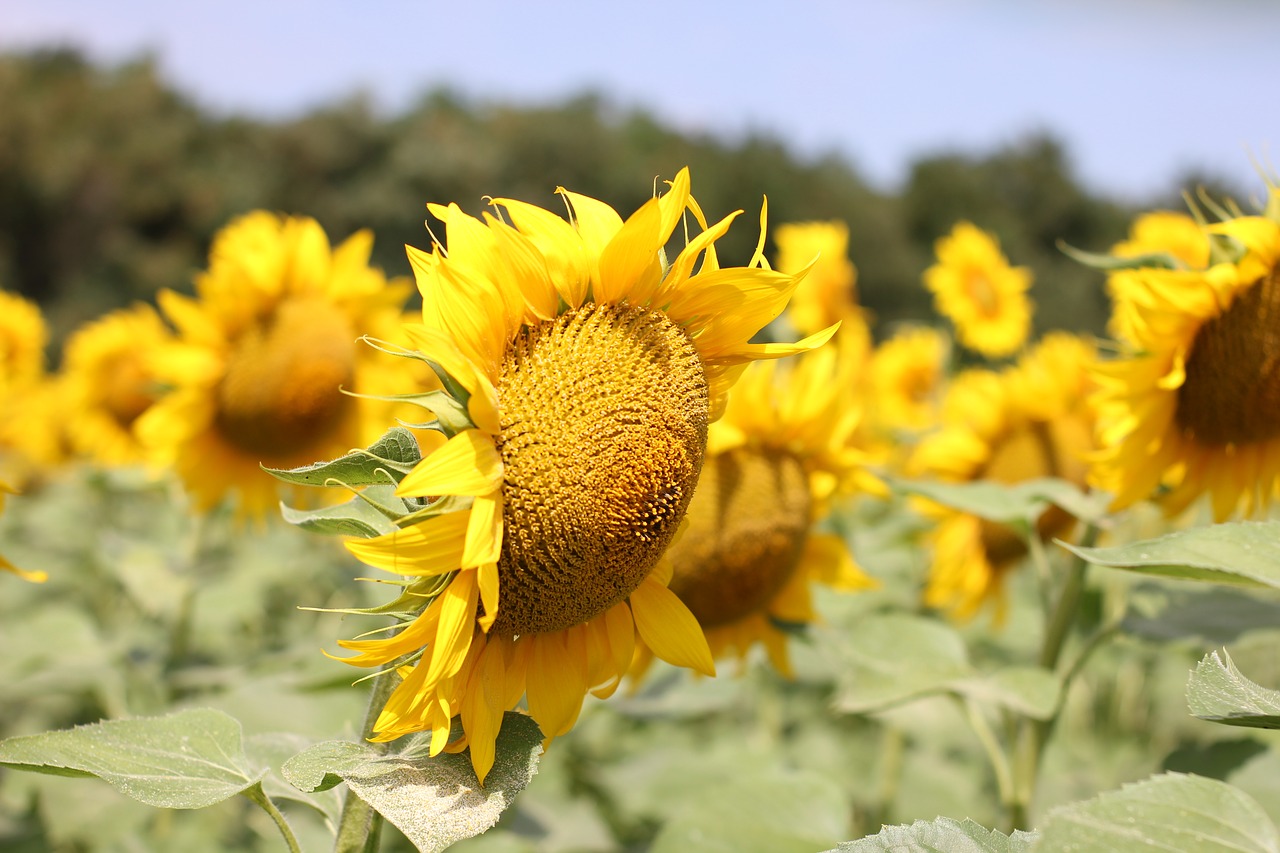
828	559
632	257
556	683
484	531
487	577
430	547
457	626
668	628
560	246
440	348
467	464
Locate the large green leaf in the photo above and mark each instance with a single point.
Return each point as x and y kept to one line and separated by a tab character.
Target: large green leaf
942	835
1215	615
186	760
757	812
891	659
1167	812
1021	503
1240	553
1219	692
433	801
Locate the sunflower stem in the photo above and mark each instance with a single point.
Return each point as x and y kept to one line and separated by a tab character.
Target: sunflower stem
360	829
991	745
1034	734
257	795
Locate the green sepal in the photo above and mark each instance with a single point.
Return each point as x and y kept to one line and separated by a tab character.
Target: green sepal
388	459
1113	263
452	400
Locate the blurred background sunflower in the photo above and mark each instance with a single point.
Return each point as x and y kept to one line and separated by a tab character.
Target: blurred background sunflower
266	359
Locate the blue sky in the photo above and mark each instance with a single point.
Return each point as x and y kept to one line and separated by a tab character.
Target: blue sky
1140	90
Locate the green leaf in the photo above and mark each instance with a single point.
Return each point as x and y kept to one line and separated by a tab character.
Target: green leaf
1009	504
356	517
188	760
1217	760
758	812
272	751
1167	812
1219	692
386	460
1239	553
1029	690
942	835
894	658
1215	615
433	801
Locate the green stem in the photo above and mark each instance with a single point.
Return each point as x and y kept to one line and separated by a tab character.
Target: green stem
360	829
892	751
259	796
1033	734
995	752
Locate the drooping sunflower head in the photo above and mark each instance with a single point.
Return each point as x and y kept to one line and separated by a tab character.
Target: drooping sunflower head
745	563
110	382
581	367
1033	419
1191	404
975	287
264	354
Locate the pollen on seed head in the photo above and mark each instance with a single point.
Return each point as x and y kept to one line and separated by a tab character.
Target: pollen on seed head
603	426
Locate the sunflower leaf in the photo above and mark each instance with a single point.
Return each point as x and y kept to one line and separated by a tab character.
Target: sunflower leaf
356	517
433	801
942	835
1172	811
386	461
893	659
188	760
1237	553
1217	691
1021	503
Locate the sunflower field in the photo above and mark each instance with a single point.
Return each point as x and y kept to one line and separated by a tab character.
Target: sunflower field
600	525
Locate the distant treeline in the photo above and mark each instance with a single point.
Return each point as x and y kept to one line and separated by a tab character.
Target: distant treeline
112	184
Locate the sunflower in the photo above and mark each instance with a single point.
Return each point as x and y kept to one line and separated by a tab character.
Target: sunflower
745	563
582	371
1190	404
110	382
828	294
1160	233
1031	420
31	429
906	376
974	287
263	356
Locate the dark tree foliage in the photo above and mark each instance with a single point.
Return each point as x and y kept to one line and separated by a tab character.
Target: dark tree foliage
112	185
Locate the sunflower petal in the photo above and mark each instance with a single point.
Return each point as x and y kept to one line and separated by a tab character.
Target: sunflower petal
467	464
668	628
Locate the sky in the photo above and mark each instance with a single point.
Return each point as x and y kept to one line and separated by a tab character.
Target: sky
1140	91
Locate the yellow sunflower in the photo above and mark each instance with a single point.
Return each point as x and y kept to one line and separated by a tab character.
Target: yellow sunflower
1030	420
264	354
974	287
583	367
109	366
1191	402
749	554
906	376
1160	233
828	294
31	441
5	565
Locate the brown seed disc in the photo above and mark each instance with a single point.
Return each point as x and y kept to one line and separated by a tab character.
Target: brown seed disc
748	523
604	422
281	390
1232	391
